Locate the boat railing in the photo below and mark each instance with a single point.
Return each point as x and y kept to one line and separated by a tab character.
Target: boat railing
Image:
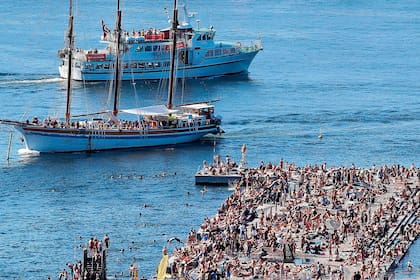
127	125
134	36
253	46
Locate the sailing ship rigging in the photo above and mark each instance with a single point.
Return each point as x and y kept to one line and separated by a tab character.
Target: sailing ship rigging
148	126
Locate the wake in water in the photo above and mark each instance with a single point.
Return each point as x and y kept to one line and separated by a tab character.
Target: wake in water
29	81
26	152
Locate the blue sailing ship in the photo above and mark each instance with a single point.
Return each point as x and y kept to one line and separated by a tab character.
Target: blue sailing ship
157	125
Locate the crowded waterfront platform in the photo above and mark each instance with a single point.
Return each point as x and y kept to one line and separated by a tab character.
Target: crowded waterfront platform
312	222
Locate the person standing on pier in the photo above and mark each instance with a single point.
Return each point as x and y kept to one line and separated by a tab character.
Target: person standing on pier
106	241
357	276
91	246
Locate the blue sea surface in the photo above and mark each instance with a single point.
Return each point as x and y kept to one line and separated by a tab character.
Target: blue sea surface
349	69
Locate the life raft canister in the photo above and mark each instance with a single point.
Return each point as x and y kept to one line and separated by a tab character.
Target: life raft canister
154	36
95	56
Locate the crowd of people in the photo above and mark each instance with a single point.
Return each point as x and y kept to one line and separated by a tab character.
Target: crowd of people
143	124
289	222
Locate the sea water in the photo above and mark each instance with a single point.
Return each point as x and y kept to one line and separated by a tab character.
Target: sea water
346	69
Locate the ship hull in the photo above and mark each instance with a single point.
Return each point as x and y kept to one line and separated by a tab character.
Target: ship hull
207	68
45	140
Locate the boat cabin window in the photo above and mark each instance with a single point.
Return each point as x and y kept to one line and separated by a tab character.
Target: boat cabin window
205	36
210	53
139	49
106	66
150	65
125	65
166	64
89	66
133	65
156	48
217	52
148	48
226	51
141	64
98	66
157	64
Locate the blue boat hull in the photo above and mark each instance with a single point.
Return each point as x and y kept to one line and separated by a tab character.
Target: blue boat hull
207	68
54	141
216	179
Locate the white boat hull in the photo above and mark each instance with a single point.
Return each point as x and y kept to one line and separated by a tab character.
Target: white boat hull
55	141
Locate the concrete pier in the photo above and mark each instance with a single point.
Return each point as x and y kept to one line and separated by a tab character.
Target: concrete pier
312	222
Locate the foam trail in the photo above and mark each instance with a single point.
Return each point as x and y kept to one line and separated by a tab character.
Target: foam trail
26	152
29	81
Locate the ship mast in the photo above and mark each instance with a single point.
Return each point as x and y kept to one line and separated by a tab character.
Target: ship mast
117	60
69	43
173	54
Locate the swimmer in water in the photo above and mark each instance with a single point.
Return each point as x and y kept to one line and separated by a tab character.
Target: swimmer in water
204	190
409	266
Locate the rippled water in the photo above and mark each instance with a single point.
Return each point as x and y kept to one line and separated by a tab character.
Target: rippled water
349	69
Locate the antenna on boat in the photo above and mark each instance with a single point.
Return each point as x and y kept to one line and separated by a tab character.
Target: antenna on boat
70	42
117	60
187	15
173	53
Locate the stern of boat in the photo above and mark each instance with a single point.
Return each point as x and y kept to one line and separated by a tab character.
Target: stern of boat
63	67
76	73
